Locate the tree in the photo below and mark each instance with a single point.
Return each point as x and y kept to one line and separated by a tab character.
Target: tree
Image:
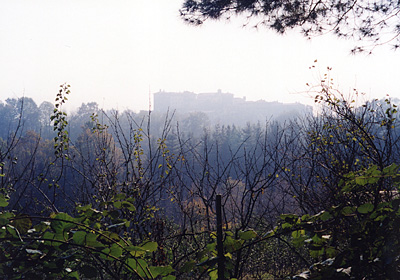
10	118
45	110
98	159
195	123
29	113
77	121
356	19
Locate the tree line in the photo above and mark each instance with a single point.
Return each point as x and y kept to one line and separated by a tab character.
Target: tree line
127	198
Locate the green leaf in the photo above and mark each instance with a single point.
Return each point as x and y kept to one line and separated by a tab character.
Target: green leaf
325	216
22	223
50	237
60	222
117	204
3	201
348	210
305	217
169	277
150	246
62	236
84	208
247	235
213	274
299	241
298	233
160	270
91	237
11	230
365	208
317	240
115	250
106	253
91	240
128	206
231	244
4	218
138	265
373	174
286	225
391	169
136	251
362	180
79	237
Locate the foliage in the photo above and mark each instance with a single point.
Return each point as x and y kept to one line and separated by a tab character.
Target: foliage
72	246
60	122
344	137
117	201
362	20
358	238
63	246
206	260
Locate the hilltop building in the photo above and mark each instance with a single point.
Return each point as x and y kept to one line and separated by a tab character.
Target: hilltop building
224	108
186	101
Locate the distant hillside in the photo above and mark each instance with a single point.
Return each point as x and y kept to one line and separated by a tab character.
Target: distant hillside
223	108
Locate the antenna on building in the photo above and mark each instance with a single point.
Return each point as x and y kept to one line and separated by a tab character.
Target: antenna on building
149	99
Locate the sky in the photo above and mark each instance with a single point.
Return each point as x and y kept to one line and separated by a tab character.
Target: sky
118	52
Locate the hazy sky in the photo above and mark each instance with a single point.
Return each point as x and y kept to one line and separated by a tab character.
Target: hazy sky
115	52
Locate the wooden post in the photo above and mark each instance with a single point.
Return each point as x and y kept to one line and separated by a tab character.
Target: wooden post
220	244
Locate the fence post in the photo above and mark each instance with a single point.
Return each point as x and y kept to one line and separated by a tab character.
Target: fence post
220	245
